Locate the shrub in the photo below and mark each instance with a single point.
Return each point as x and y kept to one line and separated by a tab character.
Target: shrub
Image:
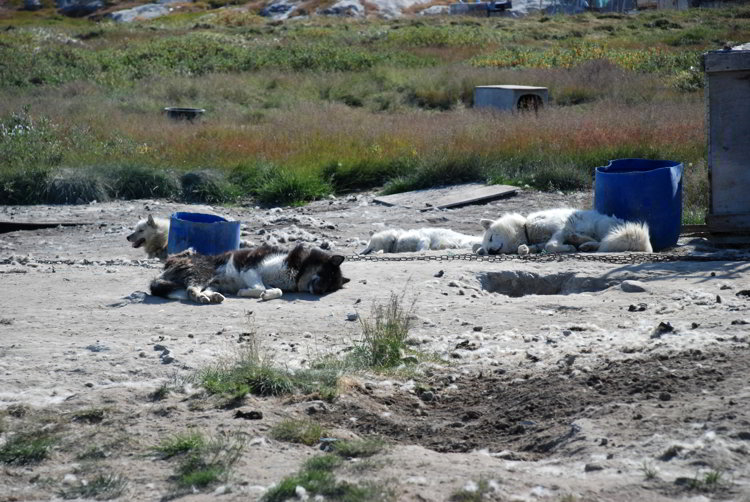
141	182
75	186
206	186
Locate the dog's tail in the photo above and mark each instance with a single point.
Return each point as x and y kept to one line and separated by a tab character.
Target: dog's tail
164	288
629	236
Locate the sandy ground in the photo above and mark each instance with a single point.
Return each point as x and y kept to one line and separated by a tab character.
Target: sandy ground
576	394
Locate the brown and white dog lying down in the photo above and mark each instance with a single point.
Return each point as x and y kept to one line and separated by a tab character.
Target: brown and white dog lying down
153	235
263	272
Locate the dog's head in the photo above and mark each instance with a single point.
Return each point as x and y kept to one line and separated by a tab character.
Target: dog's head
384	241
144	230
504	235
320	273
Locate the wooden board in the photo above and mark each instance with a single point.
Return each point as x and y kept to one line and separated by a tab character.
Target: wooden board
14	226
452	196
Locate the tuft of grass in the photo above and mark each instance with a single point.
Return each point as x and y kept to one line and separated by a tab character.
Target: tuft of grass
317	477
649	471
90	415
180	444
476	493
384	335
102	487
27	448
360	448
128	181
253	373
304	432
206	186
75	186
285	186
201	461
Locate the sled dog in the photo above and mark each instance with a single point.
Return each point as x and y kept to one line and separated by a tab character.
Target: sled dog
562	230
151	234
258	272
397	240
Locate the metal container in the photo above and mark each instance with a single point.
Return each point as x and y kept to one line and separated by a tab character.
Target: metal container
510	97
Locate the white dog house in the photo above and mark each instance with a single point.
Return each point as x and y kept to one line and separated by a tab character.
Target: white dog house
510	97
728	103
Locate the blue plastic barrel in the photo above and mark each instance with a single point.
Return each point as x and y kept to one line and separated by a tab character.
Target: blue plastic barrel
205	233
643	190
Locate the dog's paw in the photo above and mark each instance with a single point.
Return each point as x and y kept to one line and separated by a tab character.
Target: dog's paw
271	294
589	247
214	297
523	250
250	293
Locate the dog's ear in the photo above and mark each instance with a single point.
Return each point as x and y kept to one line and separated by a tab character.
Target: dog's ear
337	260
344	280
486	223
151	222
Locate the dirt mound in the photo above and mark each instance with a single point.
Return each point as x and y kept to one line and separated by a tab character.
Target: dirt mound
534	414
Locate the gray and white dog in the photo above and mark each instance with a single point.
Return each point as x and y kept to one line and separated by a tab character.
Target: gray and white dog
263	272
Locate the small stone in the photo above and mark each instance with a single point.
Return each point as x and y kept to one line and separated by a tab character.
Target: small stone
718	299
739	322
439	273
665	396
69	479
744	435
478	328
89	384
694	325
167	360
593	467
633	286
662	328
427	396
159	347
637	308
248	415
352	316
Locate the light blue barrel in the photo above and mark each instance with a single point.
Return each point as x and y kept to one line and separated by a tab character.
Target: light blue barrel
205	233
643	190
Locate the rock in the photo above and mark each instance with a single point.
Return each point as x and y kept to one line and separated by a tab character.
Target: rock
592	468
427	396
739	322
248	415
477	328
439	273
633	286
32	5
352	316
145	11
435	10
665	396
662	328
79	8
744	435
344	8
277	10
637	308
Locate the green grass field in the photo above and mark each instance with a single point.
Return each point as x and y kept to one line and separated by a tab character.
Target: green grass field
300	109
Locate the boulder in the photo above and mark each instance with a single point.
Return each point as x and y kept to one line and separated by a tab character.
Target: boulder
145	11
278	10
79	8
436	10
344	8
32	4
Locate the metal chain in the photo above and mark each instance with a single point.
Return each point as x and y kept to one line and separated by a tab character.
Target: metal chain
620	259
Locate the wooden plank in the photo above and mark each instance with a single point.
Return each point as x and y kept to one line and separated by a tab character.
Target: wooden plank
447	197
731	223
14	226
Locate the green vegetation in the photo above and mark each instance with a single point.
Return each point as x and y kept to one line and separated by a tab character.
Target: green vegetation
480	491
251	373
101	487
201	461
27	447
304	432
301	109
317	477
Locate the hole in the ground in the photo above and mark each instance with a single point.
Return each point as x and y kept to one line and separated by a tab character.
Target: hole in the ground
517	283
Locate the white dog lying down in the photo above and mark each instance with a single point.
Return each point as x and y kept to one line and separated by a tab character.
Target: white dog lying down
397	240
153	235
562	230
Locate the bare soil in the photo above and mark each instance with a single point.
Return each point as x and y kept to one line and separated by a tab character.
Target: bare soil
586	392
